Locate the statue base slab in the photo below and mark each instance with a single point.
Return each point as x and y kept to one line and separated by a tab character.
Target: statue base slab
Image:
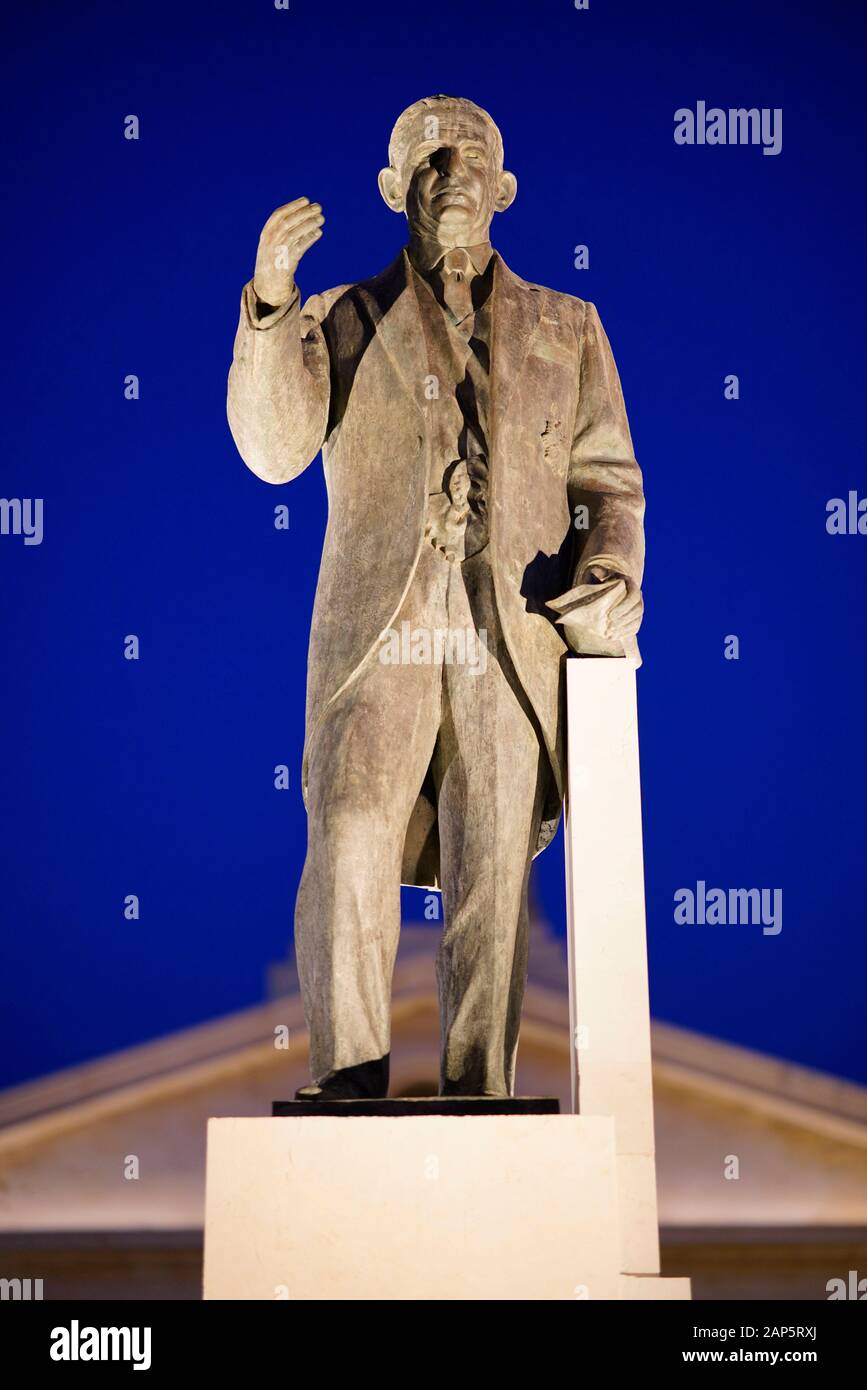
420	1206
396	1107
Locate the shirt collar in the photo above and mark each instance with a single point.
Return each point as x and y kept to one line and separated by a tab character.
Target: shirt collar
426	256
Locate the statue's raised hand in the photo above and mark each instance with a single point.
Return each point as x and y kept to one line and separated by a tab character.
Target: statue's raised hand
289	232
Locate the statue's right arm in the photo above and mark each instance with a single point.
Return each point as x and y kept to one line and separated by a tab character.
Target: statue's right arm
279	383
279	386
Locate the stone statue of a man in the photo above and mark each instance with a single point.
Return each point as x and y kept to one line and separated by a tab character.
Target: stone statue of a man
482	490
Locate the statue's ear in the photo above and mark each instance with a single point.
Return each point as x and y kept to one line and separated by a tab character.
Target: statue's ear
507	187
389	187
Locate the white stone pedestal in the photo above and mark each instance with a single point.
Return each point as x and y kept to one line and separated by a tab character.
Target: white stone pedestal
608	987
419	1207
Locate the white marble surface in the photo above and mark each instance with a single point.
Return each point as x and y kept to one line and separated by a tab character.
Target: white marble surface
517	1207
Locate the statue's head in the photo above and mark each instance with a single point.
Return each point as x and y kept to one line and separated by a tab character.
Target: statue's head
445	171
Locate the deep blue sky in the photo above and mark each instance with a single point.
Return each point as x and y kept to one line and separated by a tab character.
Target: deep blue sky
156	777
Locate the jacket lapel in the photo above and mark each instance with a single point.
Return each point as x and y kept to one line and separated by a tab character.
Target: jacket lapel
516	310
392	308
391	305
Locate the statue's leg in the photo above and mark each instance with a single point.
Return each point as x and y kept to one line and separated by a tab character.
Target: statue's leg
366	765
489	770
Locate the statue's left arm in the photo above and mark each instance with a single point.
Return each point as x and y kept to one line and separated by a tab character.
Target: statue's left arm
606	496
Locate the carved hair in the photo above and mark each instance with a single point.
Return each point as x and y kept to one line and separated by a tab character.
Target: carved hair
407	124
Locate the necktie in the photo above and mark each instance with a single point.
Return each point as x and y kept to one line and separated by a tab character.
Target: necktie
457	271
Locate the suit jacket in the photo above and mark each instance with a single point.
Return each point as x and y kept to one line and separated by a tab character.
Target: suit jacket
346	374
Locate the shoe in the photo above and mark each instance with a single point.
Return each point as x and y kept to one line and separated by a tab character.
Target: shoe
365	1081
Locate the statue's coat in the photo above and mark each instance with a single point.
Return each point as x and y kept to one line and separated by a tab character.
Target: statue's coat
347	374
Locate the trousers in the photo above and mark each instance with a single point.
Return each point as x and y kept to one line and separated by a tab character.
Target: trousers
439	704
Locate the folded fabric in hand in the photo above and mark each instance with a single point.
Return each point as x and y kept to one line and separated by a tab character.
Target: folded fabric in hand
585	614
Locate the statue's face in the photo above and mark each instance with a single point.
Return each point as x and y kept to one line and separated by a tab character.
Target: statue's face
452	181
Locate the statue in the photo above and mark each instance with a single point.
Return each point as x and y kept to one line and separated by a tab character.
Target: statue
482	483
